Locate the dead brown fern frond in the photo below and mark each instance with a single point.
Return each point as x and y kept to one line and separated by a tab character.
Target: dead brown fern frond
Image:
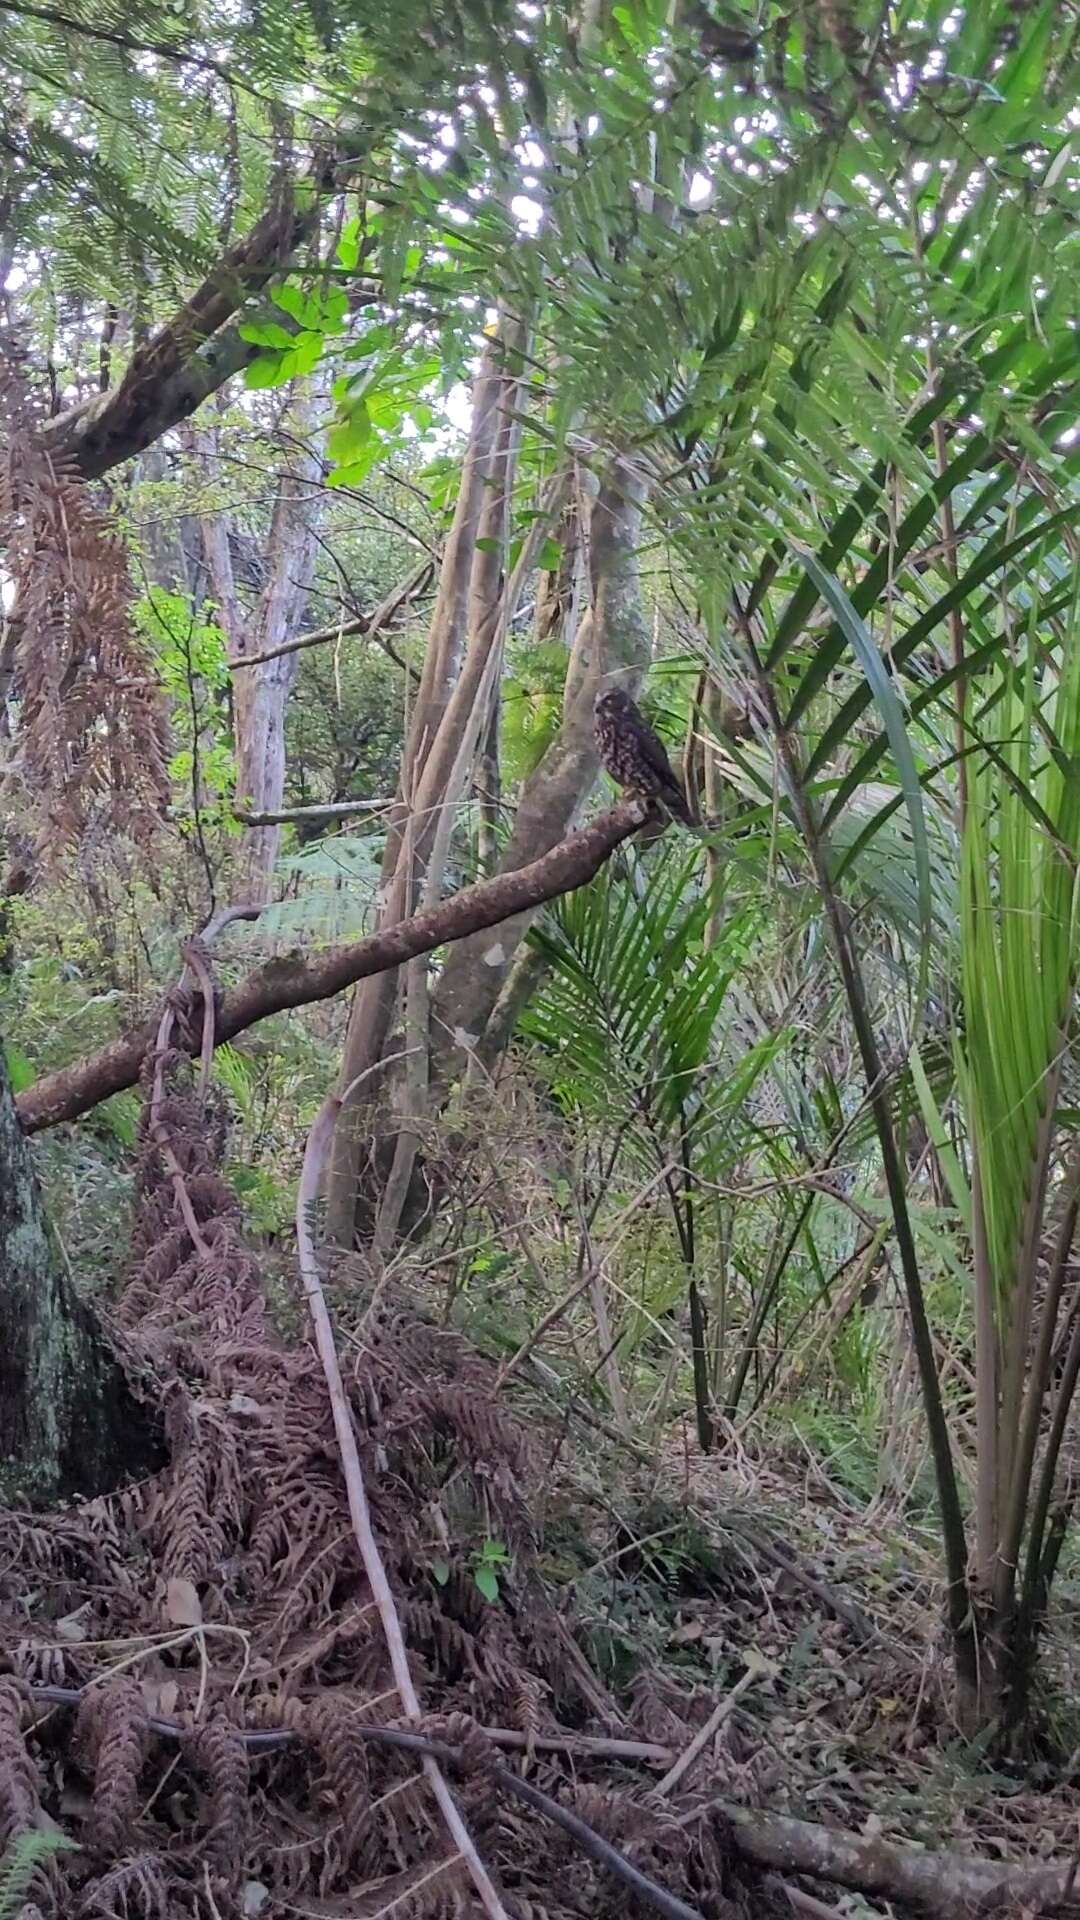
92	737
252	1511
112	1728
19	1786
216	1749
332	1729
133	1889
434	1890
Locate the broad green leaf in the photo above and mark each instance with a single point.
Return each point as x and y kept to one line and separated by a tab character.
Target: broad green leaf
487	1580
884	692
269	370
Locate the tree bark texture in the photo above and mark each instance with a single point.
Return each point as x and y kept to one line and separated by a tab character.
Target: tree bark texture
452	677
291	981
69	1422
261	689
936	1882
194	353
612	635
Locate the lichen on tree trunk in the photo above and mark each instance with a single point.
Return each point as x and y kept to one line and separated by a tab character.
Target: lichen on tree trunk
70	1424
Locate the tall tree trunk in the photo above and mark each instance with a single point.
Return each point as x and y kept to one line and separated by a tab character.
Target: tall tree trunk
70	1425
261	691
451	683
171	544
613	634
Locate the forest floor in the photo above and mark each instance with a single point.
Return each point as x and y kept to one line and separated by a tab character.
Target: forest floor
194	1672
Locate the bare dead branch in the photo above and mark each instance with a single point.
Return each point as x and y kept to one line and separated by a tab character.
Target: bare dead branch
369	624
291	981
333	810
318	1144
934	1879
723	1710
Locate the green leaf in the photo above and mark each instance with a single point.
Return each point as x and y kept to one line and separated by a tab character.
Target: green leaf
350	437
357	470
550	556
335	305
487	1580
374	341
266	333
936	1131
884	693
289	297
309	351
348	246
440	1572
267	371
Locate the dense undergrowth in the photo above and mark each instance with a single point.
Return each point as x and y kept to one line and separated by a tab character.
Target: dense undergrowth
554	1579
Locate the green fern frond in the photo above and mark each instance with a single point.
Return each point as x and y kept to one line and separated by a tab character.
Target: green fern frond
23	1857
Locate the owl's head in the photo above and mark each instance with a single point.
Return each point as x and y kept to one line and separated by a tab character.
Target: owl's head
613	701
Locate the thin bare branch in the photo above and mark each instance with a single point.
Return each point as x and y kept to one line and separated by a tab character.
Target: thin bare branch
369	624
315	1154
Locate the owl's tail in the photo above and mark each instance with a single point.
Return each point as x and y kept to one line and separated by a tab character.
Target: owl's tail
676	803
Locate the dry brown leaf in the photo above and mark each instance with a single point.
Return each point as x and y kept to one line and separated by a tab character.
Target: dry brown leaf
161	1696
183	1607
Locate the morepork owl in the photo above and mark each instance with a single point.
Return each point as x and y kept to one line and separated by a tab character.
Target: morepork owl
633	755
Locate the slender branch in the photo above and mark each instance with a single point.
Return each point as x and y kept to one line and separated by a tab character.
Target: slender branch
318	1144
332	810
291	981
369	624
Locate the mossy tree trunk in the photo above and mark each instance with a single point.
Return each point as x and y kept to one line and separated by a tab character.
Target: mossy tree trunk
70	1424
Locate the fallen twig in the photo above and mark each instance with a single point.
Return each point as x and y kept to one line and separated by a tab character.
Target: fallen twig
721	1712
317	1146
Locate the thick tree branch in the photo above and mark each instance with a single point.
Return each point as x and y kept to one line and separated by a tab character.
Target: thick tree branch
115	426
292	981
195	352
932	1879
